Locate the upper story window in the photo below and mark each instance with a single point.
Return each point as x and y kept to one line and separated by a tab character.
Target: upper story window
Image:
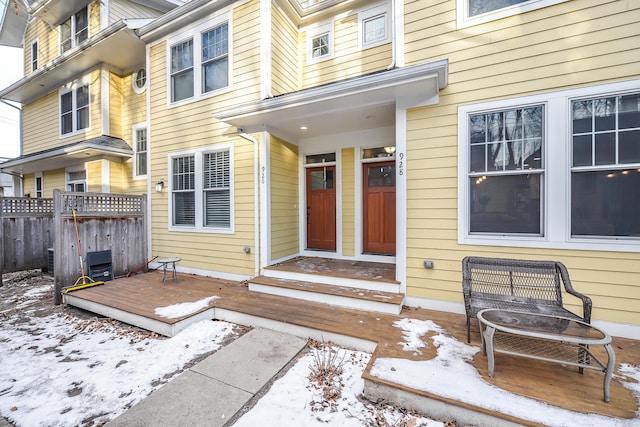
74	109
374	26
202	190
605	173
472	12
552	170
34	55
140	148
320	43
200	61
74	30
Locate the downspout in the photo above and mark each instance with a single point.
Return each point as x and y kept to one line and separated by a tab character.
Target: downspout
393	35
256	195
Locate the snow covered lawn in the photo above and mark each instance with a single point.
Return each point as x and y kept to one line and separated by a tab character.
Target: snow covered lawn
61	369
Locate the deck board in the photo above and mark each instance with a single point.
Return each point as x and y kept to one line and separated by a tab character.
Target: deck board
551	383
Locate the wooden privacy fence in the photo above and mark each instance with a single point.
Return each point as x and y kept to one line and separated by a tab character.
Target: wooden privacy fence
26	233
105	221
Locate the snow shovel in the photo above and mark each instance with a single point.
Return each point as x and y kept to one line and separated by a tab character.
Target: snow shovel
87	281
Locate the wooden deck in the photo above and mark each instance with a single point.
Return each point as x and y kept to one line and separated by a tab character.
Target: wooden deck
554	384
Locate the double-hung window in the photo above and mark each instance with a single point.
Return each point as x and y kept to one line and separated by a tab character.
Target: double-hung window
140	144
202	190
506	171
74	109
77	181
74	30
605	172
200	61
320	43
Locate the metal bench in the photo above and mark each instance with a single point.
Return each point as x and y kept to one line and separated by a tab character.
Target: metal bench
519	285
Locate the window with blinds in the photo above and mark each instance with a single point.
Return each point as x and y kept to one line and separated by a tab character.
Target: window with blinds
216	191
202	190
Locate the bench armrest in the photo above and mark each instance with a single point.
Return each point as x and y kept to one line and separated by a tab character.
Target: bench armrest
586	301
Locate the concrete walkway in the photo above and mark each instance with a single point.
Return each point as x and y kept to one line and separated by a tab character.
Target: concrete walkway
211	392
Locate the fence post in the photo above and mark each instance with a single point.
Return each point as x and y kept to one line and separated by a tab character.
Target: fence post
1	241
57	246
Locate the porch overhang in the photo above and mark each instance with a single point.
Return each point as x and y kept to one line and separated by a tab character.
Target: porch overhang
103	147
13	23
364	102
103	47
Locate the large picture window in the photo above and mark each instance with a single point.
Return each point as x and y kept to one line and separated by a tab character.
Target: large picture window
74	109
506	171
202	190
473	12
552	170
74	30
605	173
200	61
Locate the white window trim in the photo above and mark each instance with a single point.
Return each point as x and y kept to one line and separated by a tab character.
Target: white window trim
371	12
72	169
199	167
316	31
71	87
135	128
195	33
73	31
36	44
134	78
464	20
557	166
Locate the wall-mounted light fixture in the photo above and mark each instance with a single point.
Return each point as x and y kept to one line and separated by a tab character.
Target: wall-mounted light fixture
390	149
159	186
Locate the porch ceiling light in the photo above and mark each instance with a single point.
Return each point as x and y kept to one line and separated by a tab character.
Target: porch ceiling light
303	127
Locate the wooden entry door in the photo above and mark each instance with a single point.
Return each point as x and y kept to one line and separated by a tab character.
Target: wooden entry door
379	208
321	208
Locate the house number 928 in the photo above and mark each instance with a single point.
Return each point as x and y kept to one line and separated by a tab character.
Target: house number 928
401	164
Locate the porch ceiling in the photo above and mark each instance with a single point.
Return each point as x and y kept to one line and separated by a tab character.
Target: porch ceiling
104	147
363	102
104	47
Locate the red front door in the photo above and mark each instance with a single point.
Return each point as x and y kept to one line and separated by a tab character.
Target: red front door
379	208
321	208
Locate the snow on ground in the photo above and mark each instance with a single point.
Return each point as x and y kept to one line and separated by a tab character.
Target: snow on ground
61	369
451	366
294	400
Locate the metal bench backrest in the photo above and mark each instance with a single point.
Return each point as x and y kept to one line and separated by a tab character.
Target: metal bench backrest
533	282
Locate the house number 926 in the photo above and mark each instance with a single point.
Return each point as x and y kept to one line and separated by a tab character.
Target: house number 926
401	164
263	175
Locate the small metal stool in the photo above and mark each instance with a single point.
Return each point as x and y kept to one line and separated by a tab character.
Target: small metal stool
165	262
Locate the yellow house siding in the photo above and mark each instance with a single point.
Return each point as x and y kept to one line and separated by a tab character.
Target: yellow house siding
284	198
41	123
29	184
573	44
116	105
285	65
191	126
348	202
94	18
94	176
47	47
52	180
348	60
